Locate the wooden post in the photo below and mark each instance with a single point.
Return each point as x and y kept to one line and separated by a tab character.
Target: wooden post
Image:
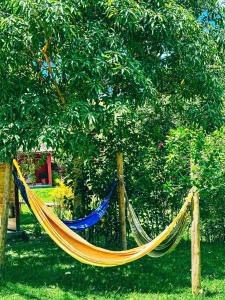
17	208
196	252
121	198
195	233
4	217
49	166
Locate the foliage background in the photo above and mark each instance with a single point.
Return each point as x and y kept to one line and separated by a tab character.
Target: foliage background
90	78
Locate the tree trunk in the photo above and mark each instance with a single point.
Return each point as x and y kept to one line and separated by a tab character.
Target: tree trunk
121	198
4	217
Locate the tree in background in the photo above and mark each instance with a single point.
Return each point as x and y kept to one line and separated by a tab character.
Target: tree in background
208	153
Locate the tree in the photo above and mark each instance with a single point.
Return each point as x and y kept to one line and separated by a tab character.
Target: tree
76	72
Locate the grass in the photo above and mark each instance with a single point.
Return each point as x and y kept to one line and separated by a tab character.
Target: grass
44	193
38	269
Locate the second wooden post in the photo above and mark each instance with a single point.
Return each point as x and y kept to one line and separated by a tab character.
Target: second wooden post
196	252
4	217
121	199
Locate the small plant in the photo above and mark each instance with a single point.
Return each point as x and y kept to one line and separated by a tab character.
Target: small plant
63	198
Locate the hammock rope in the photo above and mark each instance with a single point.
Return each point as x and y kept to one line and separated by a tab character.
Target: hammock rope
80	224
79	248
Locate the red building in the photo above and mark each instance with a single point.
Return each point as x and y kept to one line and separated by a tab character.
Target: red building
37	167
43	173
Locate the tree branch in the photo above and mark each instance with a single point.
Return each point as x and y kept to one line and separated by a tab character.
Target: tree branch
59	93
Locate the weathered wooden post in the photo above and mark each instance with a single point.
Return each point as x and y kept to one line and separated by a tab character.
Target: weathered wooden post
196	251
121	198
195	236
17	207
4	217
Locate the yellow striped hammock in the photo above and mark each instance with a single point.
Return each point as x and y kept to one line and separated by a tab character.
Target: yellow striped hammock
83	251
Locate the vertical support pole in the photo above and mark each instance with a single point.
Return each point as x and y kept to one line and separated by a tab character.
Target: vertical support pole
195	233
17	208
196	252
121	199
49	164
4	217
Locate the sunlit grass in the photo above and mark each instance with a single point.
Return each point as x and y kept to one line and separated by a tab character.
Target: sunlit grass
44	193
38	269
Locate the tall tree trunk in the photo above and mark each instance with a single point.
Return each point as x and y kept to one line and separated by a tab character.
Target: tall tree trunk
4	217
121	198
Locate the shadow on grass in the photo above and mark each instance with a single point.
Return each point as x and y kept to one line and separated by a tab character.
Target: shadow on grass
40	263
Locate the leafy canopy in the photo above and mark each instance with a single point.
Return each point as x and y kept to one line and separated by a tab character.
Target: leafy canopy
103	60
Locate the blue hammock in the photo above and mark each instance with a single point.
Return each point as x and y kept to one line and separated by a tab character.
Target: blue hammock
94	217
80	224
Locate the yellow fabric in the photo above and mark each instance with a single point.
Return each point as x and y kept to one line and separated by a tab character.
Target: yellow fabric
78	247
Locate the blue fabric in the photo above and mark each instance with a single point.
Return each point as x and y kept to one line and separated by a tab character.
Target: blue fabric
94	217
21	188
75	225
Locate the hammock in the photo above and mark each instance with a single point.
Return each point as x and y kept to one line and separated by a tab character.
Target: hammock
94	217
78	247
76	225
141	237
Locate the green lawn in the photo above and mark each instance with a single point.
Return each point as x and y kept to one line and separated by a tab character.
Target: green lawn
45	194
38	269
